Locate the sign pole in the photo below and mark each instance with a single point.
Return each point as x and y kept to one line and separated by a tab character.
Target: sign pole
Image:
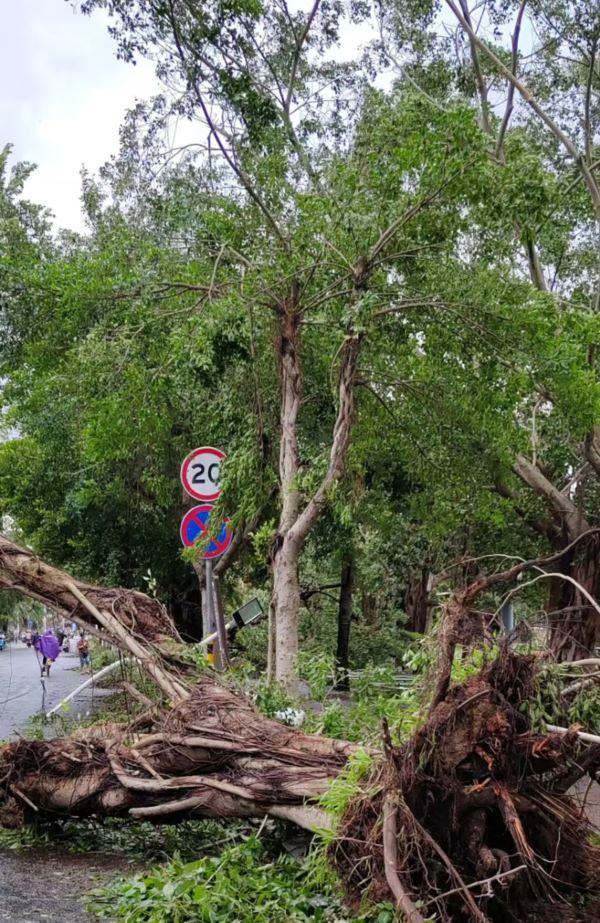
220	625
210	602
210	609
200	478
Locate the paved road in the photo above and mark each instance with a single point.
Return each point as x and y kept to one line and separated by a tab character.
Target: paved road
22	694
44	887
49	887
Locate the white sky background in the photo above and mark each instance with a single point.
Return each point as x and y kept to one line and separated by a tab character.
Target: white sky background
64	95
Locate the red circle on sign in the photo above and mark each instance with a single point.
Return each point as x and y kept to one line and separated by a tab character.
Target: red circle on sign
195	525
208	495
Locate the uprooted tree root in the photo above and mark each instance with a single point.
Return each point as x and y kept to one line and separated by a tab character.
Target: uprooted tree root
470	819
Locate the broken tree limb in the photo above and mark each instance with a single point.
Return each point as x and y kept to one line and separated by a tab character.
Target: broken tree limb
561	505
390	860
23	571
583	735
147	659
475	756
461	624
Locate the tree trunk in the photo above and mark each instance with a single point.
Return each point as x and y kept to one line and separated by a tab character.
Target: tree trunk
285	557
213	755
416	602
286	604
295	525
345	621
574	622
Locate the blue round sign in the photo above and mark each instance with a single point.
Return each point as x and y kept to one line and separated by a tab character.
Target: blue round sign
195	525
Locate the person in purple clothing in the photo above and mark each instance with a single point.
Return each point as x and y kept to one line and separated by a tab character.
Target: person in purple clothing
48	646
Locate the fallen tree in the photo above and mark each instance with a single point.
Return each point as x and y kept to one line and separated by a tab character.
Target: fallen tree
469	819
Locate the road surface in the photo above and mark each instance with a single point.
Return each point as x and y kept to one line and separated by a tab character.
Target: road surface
22	694
44	887
48	887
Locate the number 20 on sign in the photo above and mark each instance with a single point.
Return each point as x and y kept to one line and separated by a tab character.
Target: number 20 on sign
200	473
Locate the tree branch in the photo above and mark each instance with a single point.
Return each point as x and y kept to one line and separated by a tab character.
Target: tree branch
587	120
241	174
511	87
531	101
531	475
481	87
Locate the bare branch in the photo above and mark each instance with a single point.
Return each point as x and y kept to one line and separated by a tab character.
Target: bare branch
587	120
390	862
300	41
531	101
241	174
341	438
481	85
511	87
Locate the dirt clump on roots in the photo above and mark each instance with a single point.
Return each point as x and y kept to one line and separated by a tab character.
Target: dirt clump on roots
470	819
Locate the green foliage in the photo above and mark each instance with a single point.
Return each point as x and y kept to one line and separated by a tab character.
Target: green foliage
585	709
101	654
245	882
348	783
319	671
270	698
138	840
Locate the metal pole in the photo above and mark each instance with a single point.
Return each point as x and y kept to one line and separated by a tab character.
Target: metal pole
220	623
92	679
210	600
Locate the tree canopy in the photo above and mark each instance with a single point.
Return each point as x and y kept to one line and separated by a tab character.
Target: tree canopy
372	280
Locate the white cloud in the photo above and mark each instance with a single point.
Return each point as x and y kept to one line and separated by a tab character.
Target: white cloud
64	96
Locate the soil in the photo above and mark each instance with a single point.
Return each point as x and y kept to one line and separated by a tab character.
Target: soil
36	887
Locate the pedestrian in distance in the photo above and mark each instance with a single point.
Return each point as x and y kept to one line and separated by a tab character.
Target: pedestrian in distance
47	645
83	649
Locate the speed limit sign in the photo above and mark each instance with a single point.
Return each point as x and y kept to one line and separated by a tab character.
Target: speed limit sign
200	473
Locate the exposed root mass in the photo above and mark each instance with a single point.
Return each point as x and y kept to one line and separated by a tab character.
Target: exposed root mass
469	820
484	829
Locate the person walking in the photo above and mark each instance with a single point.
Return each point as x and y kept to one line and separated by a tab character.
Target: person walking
47	645
83	649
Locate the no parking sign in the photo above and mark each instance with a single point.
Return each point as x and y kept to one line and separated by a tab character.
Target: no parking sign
195	525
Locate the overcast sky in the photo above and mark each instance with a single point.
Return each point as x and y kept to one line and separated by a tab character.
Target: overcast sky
64	94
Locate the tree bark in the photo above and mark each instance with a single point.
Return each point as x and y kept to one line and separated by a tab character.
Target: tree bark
285	556
213	755
345	621
416	602
132	621
286	603
295	525
560	505
22	570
